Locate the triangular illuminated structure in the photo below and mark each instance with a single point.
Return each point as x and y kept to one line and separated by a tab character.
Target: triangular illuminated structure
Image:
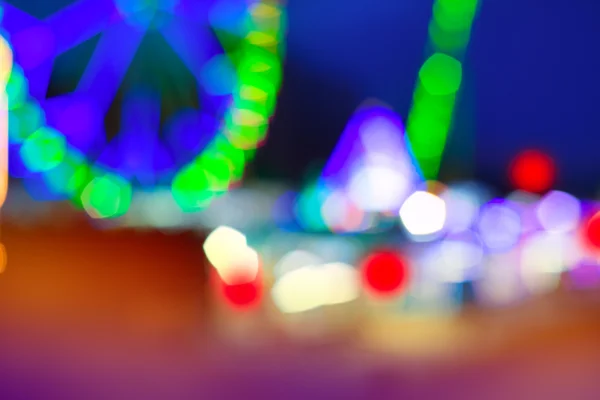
372	163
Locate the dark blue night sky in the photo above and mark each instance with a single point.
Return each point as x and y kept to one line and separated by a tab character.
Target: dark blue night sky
532	80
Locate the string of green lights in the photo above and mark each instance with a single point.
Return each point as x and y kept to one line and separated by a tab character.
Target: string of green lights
430	118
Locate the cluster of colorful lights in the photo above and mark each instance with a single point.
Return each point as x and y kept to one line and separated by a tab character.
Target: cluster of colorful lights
432	245
371	171
492	251
51	139
440	77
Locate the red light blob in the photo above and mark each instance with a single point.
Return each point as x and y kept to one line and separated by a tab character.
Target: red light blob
385	273
592	231
240	294
532	171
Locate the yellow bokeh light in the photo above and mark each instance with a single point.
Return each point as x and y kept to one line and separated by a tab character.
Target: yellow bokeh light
265	11
220	245
315	286
248	118
6	64
253	93
261	39
3	258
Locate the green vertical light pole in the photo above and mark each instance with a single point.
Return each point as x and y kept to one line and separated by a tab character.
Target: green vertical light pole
438	83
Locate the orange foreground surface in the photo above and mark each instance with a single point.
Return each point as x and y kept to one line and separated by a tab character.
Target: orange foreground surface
87	314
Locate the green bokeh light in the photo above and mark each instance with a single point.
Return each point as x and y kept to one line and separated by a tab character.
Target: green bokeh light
25	120
192	189
449	41
441	74
16	88
454	15
106	196
69	177
219	171
43	150
236	156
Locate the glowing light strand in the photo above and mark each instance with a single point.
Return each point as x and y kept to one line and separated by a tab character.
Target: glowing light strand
434	99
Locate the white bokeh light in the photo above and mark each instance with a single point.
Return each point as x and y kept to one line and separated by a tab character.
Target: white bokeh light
378	187
499	226
227	251
462	208
543	258
423	213
221	243
559	212
315	286
380	135
459	259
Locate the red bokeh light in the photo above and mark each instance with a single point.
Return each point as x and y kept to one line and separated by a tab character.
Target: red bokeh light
532	171
243	295
592	231
385	273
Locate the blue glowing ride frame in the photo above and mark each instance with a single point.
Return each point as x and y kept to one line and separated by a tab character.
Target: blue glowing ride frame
79	115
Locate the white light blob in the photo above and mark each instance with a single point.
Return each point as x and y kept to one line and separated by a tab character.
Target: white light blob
499	227
313	286
462	208
459	259
423	213
559	212
543	258
378	188
380	135
341	283
221	243
227	251
292	293
243	267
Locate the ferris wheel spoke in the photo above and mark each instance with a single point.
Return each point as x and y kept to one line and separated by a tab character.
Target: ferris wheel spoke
141	112
194	10
193	44
141	126
81	21
109	63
